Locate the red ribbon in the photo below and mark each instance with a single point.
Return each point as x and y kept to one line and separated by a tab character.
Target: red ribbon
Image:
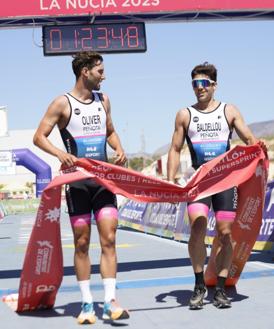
243	166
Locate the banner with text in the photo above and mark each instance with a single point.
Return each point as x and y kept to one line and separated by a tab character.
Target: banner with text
179	228
162	219
38	8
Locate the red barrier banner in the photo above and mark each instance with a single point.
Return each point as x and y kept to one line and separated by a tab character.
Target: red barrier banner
246	228
243	166
38	8
42	272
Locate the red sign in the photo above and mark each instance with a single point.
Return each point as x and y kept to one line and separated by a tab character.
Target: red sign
36	8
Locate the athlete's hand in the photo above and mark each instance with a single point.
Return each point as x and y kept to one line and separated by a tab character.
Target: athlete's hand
66	158
263	146
120	158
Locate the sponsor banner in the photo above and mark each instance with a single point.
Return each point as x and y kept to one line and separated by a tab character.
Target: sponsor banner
183	228
133	212
245	166
181	231
163	219
34	8
210	232
267	228
265	238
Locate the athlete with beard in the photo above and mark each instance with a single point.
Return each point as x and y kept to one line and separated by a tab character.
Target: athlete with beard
207	127
83	117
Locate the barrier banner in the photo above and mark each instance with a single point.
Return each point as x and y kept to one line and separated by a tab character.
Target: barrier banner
245	228
19	206
161	218
132	213
265	239
181	230
243	166
43	265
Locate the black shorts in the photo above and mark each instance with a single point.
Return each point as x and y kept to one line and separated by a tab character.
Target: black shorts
86	196
223	201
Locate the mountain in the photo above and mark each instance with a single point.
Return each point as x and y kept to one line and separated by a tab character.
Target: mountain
161	150
260	130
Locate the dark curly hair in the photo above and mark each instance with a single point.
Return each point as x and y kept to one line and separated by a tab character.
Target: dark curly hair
205	68
87	59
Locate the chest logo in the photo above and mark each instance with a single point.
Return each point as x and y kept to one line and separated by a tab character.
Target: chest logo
195	119
77	111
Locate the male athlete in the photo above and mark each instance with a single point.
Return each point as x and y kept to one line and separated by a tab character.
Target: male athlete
83	117
207	127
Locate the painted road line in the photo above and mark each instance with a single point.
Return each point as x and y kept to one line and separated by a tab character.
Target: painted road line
98	246
260	264
147	283
22	249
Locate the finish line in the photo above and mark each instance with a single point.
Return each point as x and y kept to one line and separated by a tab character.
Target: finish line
147	283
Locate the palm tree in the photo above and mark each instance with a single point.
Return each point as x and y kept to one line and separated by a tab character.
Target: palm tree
29	185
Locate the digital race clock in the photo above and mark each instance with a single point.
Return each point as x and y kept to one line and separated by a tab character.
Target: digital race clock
103	38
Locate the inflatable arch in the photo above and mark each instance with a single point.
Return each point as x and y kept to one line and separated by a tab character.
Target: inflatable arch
27	159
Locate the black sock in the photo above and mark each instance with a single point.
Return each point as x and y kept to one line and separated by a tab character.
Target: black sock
220	282
199	279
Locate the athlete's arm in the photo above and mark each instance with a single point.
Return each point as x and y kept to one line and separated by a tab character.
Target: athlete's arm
177	143
112	137
242	130
53	116
236	120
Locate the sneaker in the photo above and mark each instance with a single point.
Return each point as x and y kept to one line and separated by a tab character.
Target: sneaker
220	299
87	315
113	311
196	301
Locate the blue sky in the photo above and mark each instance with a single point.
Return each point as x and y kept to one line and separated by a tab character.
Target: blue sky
147	89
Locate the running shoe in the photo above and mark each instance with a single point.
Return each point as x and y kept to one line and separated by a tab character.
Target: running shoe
87	315
220	299
196	301
113	311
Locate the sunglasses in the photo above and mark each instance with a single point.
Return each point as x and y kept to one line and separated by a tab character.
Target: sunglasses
196	83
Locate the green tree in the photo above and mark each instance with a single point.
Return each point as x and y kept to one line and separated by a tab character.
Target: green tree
136	163
30	185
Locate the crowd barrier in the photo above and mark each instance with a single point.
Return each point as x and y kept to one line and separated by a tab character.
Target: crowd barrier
19	206
168	220
171	221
